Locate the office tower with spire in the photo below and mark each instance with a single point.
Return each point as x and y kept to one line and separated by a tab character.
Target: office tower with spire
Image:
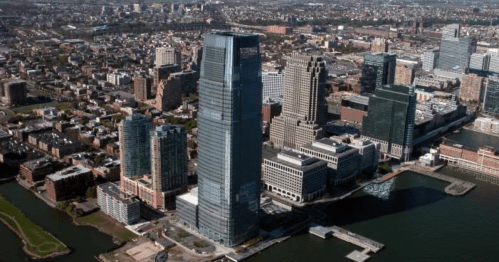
229	137
304	110
135	146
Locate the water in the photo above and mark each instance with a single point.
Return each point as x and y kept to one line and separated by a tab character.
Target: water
472	139
417	222
84	242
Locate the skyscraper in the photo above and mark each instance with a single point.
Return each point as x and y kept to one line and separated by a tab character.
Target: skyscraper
491	97
273	83
479	64
134	134
390	120
304	109
229	137
378	70
167	56
142	87
455	52
471	88
430	59
168	162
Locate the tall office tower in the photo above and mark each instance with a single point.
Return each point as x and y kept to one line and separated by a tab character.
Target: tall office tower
135	145
15	92
142	88
168	162
455	52
451	31
494	64
430	59
471	88
479	63
304	109
491	97
229	137
167	56
273	83
378	70
390	120
404	74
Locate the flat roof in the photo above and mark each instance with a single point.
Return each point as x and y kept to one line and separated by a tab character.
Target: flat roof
68	172
190	197
363	100
113	190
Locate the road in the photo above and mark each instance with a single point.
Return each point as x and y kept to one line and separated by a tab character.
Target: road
5	114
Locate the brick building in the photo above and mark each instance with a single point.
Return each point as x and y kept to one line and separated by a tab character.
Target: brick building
282	30
36	170
471	88
68	183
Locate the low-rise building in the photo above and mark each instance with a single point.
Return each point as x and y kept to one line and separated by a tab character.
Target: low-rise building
343	161
36	170
354	108
120	206
295	176
187	208
68	183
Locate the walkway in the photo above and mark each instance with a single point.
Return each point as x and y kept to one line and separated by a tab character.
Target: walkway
457	186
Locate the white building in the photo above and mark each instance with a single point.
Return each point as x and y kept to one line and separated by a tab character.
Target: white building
273	83
167	56
117	204
118	79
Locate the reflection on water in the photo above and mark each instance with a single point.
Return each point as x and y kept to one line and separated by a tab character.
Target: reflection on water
380	190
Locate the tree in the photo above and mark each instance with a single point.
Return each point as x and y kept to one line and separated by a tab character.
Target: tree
84	120
91	192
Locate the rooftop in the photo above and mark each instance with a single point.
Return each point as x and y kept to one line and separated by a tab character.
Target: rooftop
113	190
37	163
190	197
68	172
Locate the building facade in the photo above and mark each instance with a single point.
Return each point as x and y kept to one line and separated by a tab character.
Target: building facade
295	176
455	51
135	145
68	183
491	96
167	56
273	83
430	59
229	130
282	30
304	108
390	120
404	74
472	87
14	92
343	161
378	70
169	162
142	88
118	205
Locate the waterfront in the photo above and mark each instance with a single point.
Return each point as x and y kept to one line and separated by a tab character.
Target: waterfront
415	219
84	242
473	139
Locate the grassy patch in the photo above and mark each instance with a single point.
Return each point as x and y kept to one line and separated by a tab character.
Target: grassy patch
107	225
27	109
37	240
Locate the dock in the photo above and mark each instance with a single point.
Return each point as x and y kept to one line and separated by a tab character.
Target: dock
457	186
367	244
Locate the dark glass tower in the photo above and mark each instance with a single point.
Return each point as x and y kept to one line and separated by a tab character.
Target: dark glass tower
390	120
378	70
229	137
491	100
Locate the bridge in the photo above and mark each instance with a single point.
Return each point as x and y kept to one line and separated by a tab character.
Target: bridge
457	186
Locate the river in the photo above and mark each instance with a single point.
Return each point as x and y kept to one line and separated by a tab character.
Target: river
84	242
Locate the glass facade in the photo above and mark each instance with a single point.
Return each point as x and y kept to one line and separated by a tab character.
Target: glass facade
390	119
135	145
491	100
378	70
229	137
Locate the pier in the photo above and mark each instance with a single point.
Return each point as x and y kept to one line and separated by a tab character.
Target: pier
457	186
367	244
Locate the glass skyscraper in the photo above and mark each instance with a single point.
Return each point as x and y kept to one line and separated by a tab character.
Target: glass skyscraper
491	99
390	120
455	52
229	137
378	70
135	145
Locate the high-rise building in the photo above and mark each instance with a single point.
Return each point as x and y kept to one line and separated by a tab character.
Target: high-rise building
471	88
167	56
455	51
121	206
229	137
304	109
491	97
404	74
430	59
169	92
479	63
494	64
135	145
273	83
379	45
142	88
14	92
378	70
163	72
390	120
168	162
